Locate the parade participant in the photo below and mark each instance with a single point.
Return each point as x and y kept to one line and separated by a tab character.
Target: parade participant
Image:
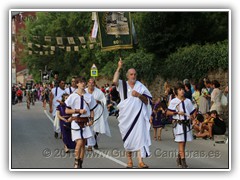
19	94
182	110
72	88
45	96
56	79
156	120
54	101
65	124
134	115
101	125
81	105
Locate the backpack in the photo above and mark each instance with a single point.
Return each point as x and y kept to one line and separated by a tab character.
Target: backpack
19	93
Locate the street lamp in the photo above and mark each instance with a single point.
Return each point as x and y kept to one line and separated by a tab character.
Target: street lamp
41	74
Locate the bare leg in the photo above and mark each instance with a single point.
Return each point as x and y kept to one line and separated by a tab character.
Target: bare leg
160	132
129	158
204	134
181	148
141	164
79	152
210	129
155	133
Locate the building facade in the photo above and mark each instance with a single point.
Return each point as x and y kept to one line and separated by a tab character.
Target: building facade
20	73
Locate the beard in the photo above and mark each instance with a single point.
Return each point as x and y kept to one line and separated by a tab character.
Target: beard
132	80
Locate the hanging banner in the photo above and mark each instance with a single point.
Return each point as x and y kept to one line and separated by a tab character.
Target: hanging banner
115	30
82	40
68	48
71	40
59	40
47	38
30	45
76	48
53	48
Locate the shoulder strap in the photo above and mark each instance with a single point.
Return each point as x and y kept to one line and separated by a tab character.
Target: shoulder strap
56	91
124	89
70	90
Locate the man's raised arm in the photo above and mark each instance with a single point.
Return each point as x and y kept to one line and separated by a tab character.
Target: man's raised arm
116	74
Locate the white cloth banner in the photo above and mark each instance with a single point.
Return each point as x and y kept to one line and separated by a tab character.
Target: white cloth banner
95	29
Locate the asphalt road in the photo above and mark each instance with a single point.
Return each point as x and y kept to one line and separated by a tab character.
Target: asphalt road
33	146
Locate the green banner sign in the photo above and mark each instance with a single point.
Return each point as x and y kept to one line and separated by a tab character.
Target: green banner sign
115	30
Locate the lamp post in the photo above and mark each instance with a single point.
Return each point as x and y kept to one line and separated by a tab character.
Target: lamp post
40	74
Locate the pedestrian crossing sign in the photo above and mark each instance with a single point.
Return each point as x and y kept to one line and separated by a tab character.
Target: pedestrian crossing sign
94	72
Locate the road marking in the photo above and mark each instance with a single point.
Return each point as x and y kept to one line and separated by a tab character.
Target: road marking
96	151
45	111
110	158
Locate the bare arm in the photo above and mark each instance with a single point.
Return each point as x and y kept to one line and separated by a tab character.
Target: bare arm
116	74
143	98
92	118
60	117
171	113
75	111
50	103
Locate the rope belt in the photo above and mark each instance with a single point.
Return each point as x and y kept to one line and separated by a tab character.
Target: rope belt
81	121
185	124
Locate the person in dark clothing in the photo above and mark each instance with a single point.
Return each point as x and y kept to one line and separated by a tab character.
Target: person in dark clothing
219	126
115	94
156	119
13	95
188	92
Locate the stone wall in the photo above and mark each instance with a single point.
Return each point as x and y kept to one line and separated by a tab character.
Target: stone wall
156	87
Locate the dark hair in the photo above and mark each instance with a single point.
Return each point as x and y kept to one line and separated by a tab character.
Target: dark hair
92	80
197	87
63	96
200	117
188	85
60	80
178	86
208	81
80	79
216	83
214	112
209	113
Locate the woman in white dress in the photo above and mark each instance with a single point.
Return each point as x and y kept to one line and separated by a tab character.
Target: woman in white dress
216	97
80	104
182	111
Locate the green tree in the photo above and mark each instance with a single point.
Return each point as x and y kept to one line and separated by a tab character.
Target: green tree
162	33
59	24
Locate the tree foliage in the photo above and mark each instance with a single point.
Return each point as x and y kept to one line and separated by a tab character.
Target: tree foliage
195	61
162	33
188	39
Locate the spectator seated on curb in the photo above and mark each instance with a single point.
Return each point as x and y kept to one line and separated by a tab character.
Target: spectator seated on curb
215	127
198	124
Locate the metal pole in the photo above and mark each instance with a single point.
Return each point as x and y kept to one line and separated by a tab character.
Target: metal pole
41	74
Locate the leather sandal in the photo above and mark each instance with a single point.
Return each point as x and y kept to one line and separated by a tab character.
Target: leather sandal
76	163
66	149
129	165
89	148
142	165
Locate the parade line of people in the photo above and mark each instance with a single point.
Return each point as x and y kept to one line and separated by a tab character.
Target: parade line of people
81	113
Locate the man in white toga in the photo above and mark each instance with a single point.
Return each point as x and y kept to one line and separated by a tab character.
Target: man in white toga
134	114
